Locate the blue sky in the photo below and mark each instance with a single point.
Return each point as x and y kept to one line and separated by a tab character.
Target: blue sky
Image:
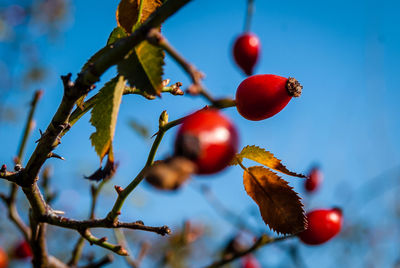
345	53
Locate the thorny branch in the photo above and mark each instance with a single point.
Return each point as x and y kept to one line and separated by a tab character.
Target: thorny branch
50	139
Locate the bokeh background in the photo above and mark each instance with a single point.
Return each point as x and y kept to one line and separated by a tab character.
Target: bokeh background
345	54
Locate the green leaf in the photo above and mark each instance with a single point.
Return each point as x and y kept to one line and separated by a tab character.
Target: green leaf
116	34
143	68
104	115
265	158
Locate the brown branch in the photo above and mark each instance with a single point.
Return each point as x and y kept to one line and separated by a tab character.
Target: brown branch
84	83
156	38
77	251
101	223
38	243
261	241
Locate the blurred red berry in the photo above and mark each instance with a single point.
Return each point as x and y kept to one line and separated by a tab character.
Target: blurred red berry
249	261
314	180
23	250
209	139
246	50
323	224
3	259
261	96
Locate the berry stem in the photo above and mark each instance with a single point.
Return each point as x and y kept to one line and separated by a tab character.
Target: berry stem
249	15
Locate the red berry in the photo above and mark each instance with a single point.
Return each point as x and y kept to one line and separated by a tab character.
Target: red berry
323	224
245	51
209	139
249	261
314	179
23	250
3	259
261	96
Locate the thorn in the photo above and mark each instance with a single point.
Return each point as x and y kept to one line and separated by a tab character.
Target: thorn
59	212
119	189
41	136
17	167
3	168
103	239
54	155
118	213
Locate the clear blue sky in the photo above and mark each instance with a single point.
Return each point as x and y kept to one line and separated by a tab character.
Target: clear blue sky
345	53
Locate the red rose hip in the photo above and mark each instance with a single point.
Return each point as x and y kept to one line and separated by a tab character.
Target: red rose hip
23	250
249	261
209	139
246	50
261	96
3	259
323	224
314	180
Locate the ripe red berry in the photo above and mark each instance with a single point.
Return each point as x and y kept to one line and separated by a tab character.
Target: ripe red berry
249	261
314	180
261	96
3	259
209	139
23	250
323	224
245	51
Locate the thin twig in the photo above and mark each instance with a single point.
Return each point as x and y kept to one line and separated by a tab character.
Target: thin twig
134	263
261	241
100	263
102	242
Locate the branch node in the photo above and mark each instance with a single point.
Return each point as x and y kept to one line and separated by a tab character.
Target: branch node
103	239
119	189
17	167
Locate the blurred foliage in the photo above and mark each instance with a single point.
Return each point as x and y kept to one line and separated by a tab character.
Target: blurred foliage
25	28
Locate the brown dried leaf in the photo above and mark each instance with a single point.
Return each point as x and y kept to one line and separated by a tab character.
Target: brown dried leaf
279	205
104	173
265	158
128	11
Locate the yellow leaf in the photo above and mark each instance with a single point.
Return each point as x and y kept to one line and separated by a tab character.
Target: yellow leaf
128	11
279	205
265	158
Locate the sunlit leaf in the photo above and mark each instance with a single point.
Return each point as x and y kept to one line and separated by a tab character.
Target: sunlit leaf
279	205
115	35
263	157
128	11
104	115
143	68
